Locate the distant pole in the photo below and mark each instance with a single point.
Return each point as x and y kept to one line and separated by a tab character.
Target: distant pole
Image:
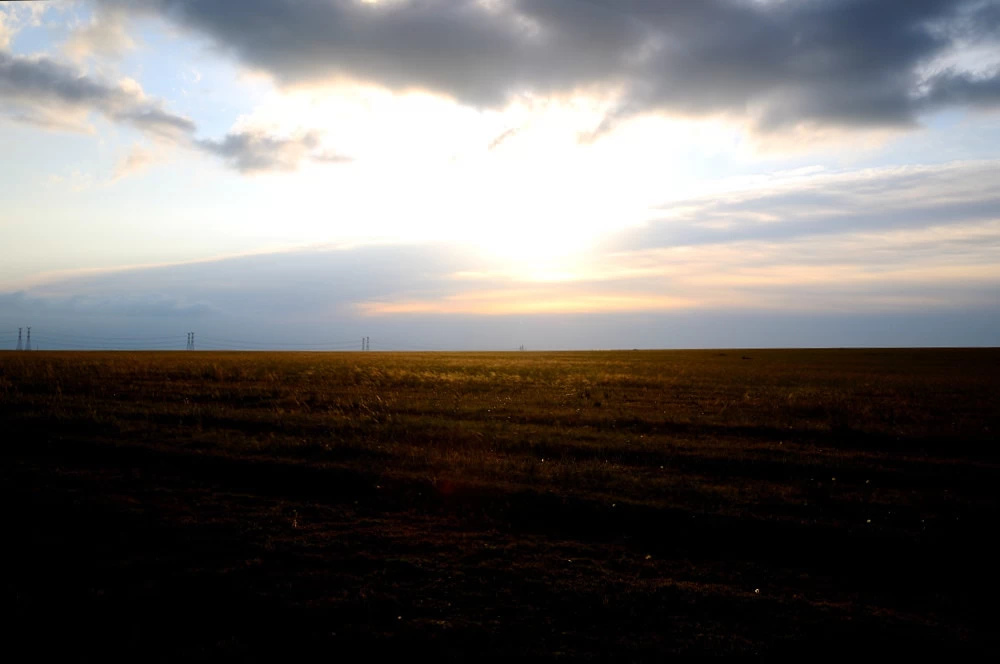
27	346
368	343
20	345
192	341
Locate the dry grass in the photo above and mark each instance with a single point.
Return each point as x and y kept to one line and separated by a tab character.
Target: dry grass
829	451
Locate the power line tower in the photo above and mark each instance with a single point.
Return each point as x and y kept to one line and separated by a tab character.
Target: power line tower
20	345
368	343
190	341
27	345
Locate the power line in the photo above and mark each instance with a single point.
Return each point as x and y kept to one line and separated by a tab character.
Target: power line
279	346
55	345
71	340
339	342
74	336
175	342
414	345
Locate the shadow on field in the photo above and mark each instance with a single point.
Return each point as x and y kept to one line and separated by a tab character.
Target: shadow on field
498	516
170	600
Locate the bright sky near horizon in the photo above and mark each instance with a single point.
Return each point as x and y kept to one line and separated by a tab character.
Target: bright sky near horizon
490	173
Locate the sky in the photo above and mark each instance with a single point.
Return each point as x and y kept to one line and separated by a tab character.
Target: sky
491	174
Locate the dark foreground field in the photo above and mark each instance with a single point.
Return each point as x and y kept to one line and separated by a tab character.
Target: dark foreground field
626	505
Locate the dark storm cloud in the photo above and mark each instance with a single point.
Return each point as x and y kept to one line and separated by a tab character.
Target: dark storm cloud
950	88
780	63
39	90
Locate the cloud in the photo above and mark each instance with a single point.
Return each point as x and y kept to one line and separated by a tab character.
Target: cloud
930	289
951	89
503	136
317	279
135	306
137	160
253	151
6	33
16	15
778	65
53	94
945	259
873	201
520	300
105	35
331	158
891	239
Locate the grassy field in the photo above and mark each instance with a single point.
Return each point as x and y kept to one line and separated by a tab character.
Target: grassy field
622	505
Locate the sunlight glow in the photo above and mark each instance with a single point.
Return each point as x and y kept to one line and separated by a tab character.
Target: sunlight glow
529	301
520	184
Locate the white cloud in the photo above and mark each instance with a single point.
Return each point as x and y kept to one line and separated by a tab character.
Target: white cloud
6	33
138	159
105	36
